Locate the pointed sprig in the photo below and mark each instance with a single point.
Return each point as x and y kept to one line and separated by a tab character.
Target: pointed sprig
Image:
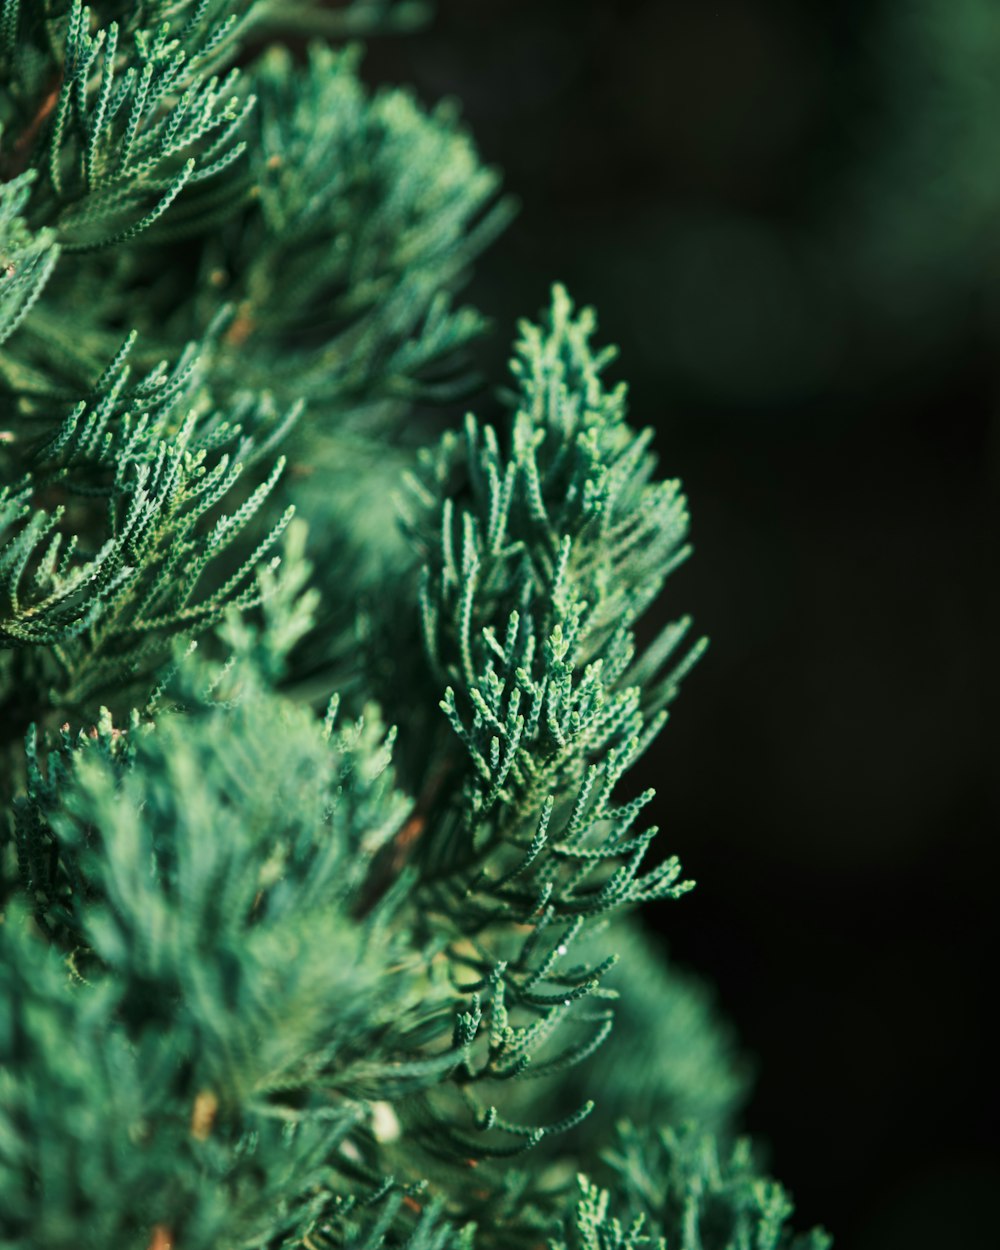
566	509
698	1193
591	1227
548	742
23	22
137	118
48	592
158	510
149	507
539	559
508	1034
367	213
166	394
529	592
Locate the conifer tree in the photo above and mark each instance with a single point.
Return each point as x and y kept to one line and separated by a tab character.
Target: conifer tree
317	884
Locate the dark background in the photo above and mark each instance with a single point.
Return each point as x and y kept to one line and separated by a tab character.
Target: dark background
788	216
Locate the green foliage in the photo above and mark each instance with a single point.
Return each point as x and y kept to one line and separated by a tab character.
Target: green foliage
591	1228
26	258
124	142
700	1196
200	873
527	600
152	483
521	872
96	1141
569	511
366	211
297	239
677	1189
669	1060
304	1010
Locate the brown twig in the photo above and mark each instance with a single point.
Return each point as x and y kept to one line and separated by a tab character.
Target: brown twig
395	856
206	1107
413	827
243	325
17	162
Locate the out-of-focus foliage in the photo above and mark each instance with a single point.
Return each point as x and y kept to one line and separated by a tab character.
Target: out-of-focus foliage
672	1060
675	1188
197	875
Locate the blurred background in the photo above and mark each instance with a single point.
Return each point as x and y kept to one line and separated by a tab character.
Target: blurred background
788	217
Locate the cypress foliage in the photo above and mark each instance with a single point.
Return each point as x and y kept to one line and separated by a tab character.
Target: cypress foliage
272	972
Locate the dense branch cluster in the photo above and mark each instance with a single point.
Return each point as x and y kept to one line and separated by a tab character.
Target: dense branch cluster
274	974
